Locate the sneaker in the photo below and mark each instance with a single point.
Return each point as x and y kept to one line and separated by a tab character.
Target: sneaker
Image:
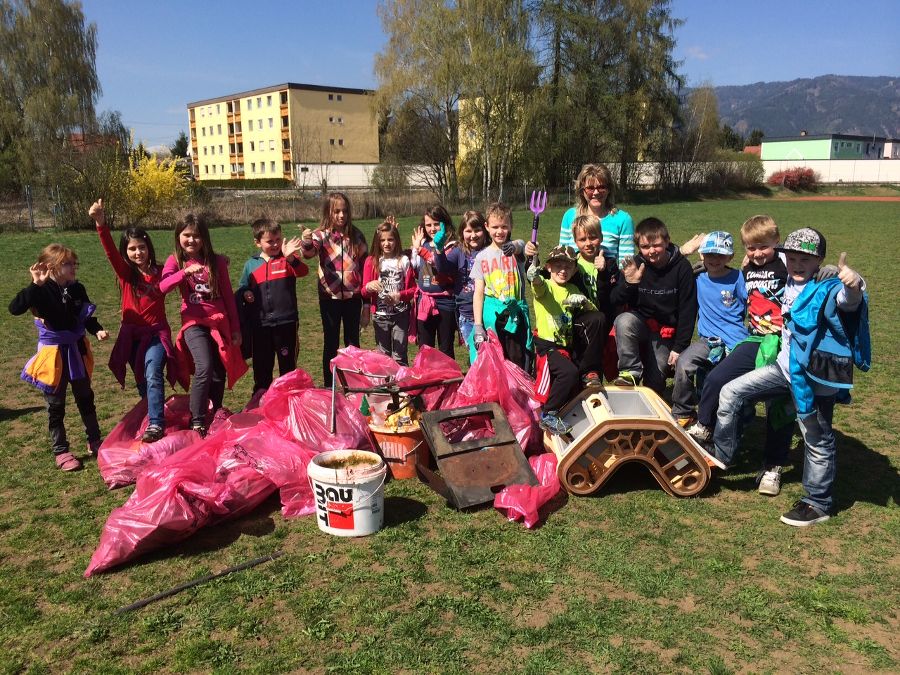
592	379
804	515
200	429
685	422
711	460
626	379
94	447
769	480
700	433
153	433
66	461
554	424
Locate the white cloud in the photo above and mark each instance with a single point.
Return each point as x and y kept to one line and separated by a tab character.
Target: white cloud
697	52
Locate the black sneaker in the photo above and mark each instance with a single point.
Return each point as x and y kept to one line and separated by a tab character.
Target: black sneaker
804	515
200	429
153	433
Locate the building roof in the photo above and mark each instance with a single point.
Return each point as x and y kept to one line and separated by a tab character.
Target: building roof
279	87
829	137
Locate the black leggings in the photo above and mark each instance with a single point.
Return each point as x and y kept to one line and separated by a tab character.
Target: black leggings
442	325
335	312
209	373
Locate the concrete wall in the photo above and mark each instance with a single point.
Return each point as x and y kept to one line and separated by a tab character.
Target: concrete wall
343	175
843	170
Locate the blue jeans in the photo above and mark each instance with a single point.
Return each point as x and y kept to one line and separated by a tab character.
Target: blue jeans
154	388
763	384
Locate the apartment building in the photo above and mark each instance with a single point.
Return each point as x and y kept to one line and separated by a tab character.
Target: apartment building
266	133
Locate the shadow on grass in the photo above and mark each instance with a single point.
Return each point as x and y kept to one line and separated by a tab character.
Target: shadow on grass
7	414
863	475
399	510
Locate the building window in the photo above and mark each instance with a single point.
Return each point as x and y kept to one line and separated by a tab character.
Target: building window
287	166
340	120
214	168
205	169
220	149
240	147
331	141
262	167
259	101
271	144
221	168
340	141
219	128
252	147
202	113
230	129
283	98
304	169
204	149
249	104
260	124
269	100
252	167
271	123
251	125
340	98
212	149
229	107
285	144
284	122
330	97
272	166
217	108
331	120
203	129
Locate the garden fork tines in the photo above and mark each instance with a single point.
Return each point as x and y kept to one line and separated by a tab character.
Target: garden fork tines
538	204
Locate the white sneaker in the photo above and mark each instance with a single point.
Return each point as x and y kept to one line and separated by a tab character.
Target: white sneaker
770	481
700	433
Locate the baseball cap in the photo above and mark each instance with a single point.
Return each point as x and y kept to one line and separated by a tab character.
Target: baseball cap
718	241
562	253
805	240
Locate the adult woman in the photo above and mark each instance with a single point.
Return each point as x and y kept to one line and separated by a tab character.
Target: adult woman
595	187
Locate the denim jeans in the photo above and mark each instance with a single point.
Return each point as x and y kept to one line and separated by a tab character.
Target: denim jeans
465	327
684	393
642	352
154	386
763	384
820	454
392	335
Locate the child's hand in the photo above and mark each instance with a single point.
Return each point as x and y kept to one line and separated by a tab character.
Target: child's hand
848	277
394	298
249	297
692	245
533	273
479	336
440	237
574	301
193	268
391	220
290	246
96	212
632	273
531	250
374	286
600	262
236	338
418	236
306	236
673	358
39	273
102	335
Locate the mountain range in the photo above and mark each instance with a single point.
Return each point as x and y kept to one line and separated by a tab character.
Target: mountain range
828	104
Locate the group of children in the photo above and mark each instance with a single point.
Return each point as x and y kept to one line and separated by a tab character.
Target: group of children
469	281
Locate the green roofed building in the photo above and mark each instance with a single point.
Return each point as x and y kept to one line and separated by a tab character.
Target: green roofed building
827	146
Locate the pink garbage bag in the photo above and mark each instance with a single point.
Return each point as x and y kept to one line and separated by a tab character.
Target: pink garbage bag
494	379
302	413
203	484
524	501
123	456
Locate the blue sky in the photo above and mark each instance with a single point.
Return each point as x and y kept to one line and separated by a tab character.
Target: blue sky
155	57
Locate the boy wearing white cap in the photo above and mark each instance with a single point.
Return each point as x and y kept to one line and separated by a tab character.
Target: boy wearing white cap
722	304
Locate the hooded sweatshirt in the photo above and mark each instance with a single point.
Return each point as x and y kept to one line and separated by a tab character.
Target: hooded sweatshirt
665	294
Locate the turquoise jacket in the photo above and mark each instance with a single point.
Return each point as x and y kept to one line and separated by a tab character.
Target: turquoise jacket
826	342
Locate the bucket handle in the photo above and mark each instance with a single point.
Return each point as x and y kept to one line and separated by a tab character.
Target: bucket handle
403	459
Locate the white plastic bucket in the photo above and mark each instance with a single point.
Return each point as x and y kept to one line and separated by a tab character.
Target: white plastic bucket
348	486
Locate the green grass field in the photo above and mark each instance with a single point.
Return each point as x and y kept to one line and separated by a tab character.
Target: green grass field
630	580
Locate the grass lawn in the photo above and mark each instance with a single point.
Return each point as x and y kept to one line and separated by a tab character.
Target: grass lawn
629	580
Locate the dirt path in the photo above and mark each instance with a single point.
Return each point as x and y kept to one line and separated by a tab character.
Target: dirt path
827	198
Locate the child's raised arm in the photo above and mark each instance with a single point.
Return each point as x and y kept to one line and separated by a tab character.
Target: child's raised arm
120	267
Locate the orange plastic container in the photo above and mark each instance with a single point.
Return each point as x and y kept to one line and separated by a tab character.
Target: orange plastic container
401	448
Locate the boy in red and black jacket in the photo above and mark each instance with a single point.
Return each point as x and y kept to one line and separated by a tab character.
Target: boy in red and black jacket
268	289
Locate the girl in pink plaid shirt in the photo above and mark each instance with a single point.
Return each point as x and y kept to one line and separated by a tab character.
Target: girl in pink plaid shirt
342	252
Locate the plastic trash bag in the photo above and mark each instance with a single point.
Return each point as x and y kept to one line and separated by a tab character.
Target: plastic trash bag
123	456
302	413
218	478
493	378
522	502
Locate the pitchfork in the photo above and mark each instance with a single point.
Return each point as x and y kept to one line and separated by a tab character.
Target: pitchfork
538	204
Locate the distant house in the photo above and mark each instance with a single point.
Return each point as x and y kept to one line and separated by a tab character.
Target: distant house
752	150
829	146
